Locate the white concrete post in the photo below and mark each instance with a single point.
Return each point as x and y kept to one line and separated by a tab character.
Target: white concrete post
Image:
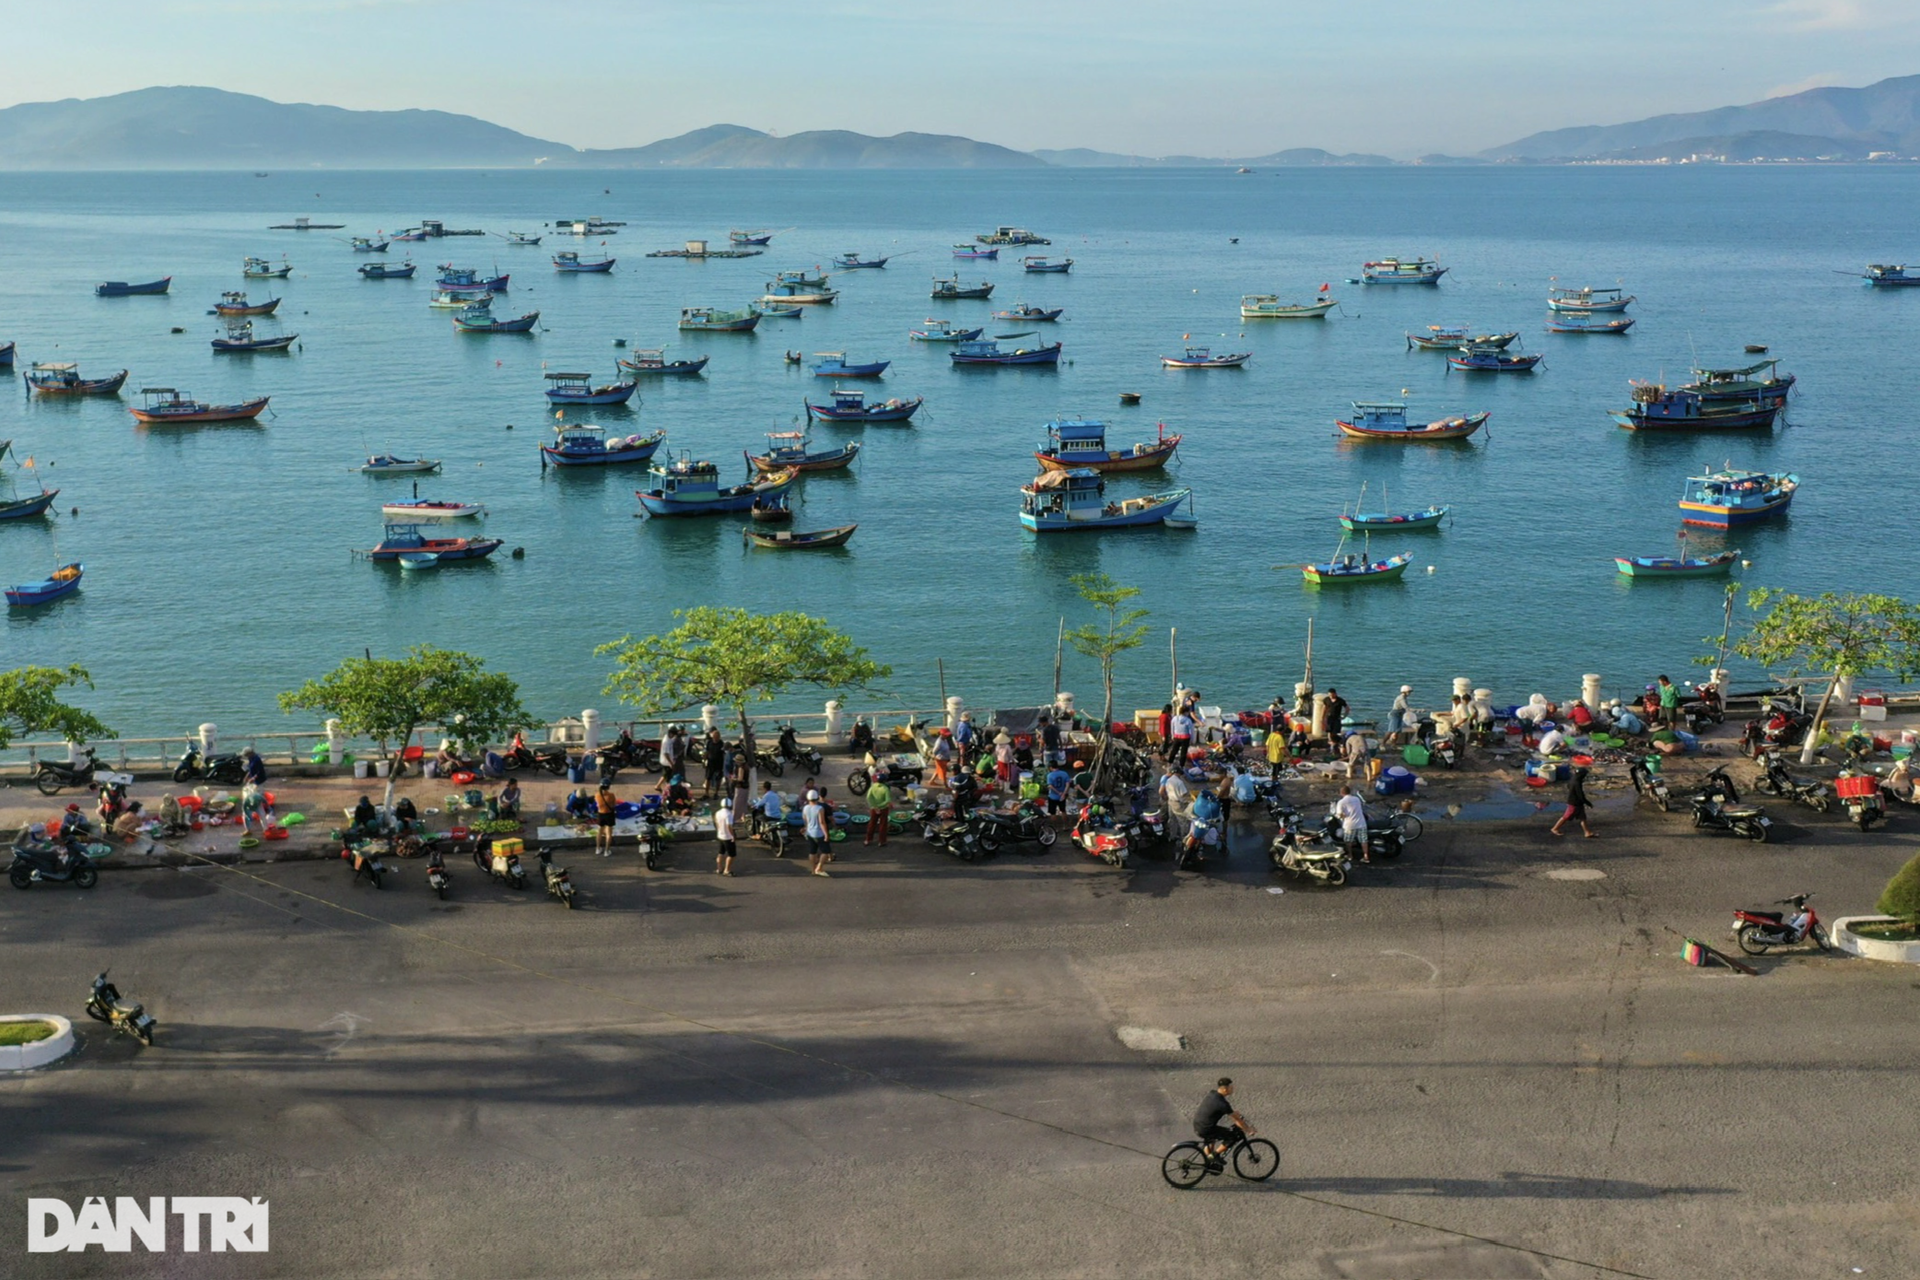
954	707
1590	690
709	717
1462	687
834	737
209	734
336	742
590	731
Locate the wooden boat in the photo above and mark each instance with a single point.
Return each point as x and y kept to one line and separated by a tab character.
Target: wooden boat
794	540
1402	271
457	300
15	507
987	351
367	244
121	289
854	262
1012	236
1394	521
1450	338
1075	500
696	250
793	294
1728	499
688	487
454	279
1655	408
261	269
1024	314
63	581
585	445
950	288
942	331
417	560
1479	359
852	406
521	239
800	278
1268	306
569	261
62	378
405	538
715	320
578	388
387	464
1582	322
1676	566
1883	276
833	364
1756	348
1203	358
240	341
1349	570
1042	265
771	508
233	303
778	311
1388	421
653	362
975	251
165	405
787	450
479	318
430	509
1074	443
750	237
1716	385
1586	301
411	235
6	355
386	271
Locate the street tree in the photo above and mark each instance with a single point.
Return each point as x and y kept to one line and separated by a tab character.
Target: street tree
1117	631
1842	636
30	703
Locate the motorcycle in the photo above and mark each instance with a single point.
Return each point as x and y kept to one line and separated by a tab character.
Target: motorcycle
559	886
230	769
53	775
1097	837
1717	787
1756	931
961	838
1144	829
1782	729
365	862
52	864
1648	785
792	751
1202	835
106	1005
650	839
1304	853
1776	781
774	832
551	759
437	878
1860	791
1741	819
1024	825
891	773
772	762
629	752
503	867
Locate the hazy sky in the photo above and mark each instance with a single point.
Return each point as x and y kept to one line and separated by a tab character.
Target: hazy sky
1210	77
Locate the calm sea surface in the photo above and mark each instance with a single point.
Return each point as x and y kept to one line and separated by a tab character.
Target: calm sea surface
219	558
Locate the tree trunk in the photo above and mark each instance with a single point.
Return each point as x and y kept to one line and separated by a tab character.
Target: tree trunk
1813	730
386	800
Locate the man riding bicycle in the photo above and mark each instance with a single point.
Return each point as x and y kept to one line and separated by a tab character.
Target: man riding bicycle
1215	1137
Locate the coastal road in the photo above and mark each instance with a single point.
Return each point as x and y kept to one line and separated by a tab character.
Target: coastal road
1475	1066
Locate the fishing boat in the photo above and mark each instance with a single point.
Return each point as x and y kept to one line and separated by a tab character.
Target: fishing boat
801	278
1728	499
794	540
569	261
367	244
854	262
942	331
1012	236
304	224
121	289
261	269
479	318
833	364
792	293
62	378
233	303
778	311
585	445
653	362
1387	420
410	235
1453	338
420	508
165	405
852	406
405	538
578	388
15	507
1714	385
386	464
240	340
750	237
1268	306
457	300
1401	271
1394	521
417	560
1021	313
690	487
1881	275
1075	499
1676	566
988	351
1081	444
63	581
520	239
716	320
6	355
1350	570
1479	359
1203	358
950	288
454	279
1583	322
1041	265
788	450
976	251
1588	300
1655	408
386	270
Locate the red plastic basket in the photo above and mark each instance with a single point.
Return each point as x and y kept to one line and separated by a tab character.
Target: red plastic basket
1856	788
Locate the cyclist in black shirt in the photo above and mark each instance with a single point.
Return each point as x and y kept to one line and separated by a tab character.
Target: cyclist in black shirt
1207	1126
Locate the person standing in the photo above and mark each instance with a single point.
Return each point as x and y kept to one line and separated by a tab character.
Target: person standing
1336	716
605	806
1003	758
1277	744
740	778
673	752
1669	703
1399	718
1179	738
1576	805
723	832
1352	813
714	759
942	757
1166	729
1059	782
1176	803
1051	752
813	818
964	738
879	813
256	769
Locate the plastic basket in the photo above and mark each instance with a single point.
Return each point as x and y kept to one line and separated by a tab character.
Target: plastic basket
1856	788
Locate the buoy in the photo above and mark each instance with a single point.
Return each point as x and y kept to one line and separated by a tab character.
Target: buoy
178	329
1429	568
509	426
73	511
519	553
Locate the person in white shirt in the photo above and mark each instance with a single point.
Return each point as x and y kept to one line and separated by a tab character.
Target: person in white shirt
723	832
1552	742
814	818
1352	812
1177	799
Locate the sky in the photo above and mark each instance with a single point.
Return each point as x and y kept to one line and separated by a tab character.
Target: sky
1206	77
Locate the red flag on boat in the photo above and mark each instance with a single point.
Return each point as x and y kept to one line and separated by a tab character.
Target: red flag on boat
1324	287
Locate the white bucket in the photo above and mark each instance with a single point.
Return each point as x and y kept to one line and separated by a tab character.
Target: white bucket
379	768
359	768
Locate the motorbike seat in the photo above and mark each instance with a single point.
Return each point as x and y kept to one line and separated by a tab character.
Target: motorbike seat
1775	916
126	1008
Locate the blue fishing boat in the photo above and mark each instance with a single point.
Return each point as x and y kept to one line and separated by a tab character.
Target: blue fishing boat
854	262
1588	300
1580	322
456	299
688	487
584	445
1454	338
787	450
121	289
367	244
407	539
1655	408
261	269
988	351
519	239
240	340
833	364
1388	421
569	261
942	331
1676	566
1719	385
466	280
1075	500
1021	313
62	378
1076	444
975	251
778	311
1491	360
6	355
578	388
653	362
1203	358
757	238
1042	265
1351	570
716	320
852	406
1728	499
386	270
1402	271
410	235
479	318
1884	276
13	506
63	581
1394	521
949	288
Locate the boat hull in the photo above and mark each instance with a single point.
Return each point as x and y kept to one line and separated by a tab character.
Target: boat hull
233	347
1045	355
583	268
793	540
1211	362
246	309
47	590
26	508
1670	567
1572	306
1311	311
599	395
950	295
444	550
400	466
242	412
1707	516
1744	420
722	326
6	355
1500	364
1036	316
738	498
1153	509
84	387
1447	429
523	324
1367	522
832	460
1332	575
374	271
1145	457
602	458
950	335
1423	277
673	368
118	289
431	510
874	413
1606	326
851	370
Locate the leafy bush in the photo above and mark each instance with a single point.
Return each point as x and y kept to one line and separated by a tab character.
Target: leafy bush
1901	897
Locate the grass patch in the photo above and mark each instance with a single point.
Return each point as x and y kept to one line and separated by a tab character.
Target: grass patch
1887	931
17	1033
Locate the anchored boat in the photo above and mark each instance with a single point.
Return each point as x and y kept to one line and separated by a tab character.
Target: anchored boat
785	291
121	289
1388	421
1676	566
240	340
585	445
1012	236
1203	358
1655	408
852	406
367	244
1041	265
1714	385
689	487
942	331
1349	570
479	318
406	539
1021	313
833	364
854	262
62	378
387	464
1727	499
234	303
1075	500
165	405
261	269
569	261
1884	276
1268	306
949	288
716	320
1074	444
652	361
1451	338
976	251
454	279
578	388
1588	300
794	540
63	581
787	450
1479	359
987	351
15	507
386	270
1402	271
1581	322
750	237
1395	521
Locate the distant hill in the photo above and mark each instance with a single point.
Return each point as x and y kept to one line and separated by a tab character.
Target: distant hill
1837	122
729	146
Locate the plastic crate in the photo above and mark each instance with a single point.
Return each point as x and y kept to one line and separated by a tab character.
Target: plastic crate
1858	787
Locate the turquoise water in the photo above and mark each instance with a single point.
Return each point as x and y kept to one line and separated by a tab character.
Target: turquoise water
219	566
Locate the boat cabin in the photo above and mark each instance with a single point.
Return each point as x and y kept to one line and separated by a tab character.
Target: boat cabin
787	447
160	399
1076	440
1381	416
55	373
686	477
1078	494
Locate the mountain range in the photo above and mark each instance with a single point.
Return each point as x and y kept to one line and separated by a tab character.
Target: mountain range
187	127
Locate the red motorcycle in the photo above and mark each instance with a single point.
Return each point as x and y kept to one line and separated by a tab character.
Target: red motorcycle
1093	832
1758	931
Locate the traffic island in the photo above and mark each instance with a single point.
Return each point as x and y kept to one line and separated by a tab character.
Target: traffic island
29	1040
1878	938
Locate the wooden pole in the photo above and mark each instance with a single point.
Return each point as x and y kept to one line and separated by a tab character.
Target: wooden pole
1059	649
1173	653
1725	632
941	663
1308	678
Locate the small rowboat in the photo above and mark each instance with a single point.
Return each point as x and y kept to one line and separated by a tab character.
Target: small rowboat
775	311
653	360
366	244
943	331
164	404
479	319
26	508
1388	421
6	355
1268	306
62	378
63	581
236	304
795	540
788	449
420	560
1367	521
1203	358
261	269
975	251
1349	570
1030	315
833	364
241	341
1574	323
1448	338
1676	566
121	289
429	509
569	261
950	288
386	271
1478	359
852	406
854	262
773	508
386	464
578	388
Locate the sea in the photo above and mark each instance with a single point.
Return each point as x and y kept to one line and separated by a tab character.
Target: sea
220	559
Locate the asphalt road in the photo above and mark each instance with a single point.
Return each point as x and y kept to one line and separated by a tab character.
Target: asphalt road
1473	1068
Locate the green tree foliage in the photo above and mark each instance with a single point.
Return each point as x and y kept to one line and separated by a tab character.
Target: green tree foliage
1840	635
1117	631
731	658
30	703
1901	897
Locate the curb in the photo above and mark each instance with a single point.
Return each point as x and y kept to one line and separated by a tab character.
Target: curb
1871	948
25	1057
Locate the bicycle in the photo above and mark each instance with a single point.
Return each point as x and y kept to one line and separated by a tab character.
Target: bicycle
1187	1165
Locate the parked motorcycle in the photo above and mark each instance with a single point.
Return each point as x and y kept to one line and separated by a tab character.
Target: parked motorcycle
962	839
629	752
1716	786
559	886
1741	819
1777	781
1024	825
1145	830
894	775
365	861
106	1005
773	832
770	762
521	756
1303	852
1757	931
53	775
1096	836
229	768
50	863
437	878
1778	729
503	867
1202	839
652	841
1648	785
793	751
1859	790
